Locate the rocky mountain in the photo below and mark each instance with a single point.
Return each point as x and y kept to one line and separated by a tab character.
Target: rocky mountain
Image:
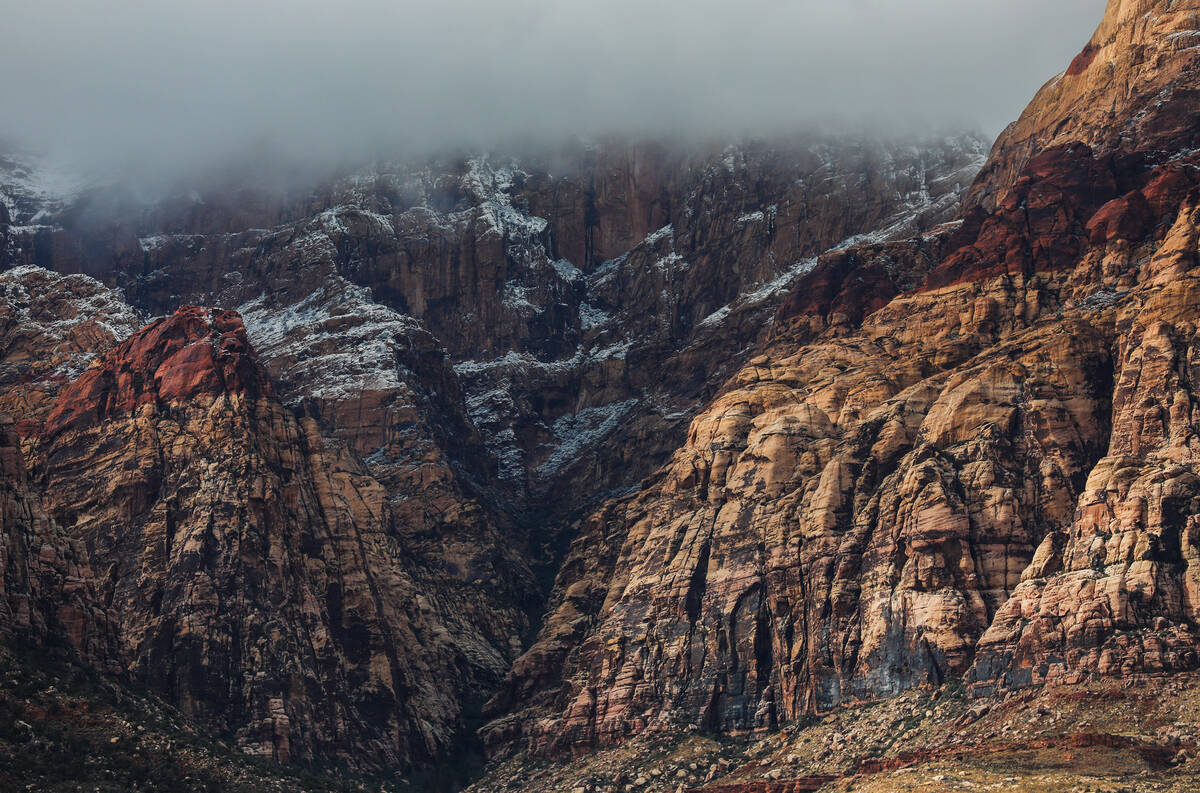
319	521
965	456
794	426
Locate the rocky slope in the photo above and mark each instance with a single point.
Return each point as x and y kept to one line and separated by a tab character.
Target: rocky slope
47	591
260	577
816	435
961	457
294	516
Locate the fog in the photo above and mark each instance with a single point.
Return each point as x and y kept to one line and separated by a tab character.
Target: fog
171	87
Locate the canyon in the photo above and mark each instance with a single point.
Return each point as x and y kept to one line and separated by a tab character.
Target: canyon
587	463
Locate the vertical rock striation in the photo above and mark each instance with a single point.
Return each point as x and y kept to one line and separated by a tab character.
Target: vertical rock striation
965	455
259	578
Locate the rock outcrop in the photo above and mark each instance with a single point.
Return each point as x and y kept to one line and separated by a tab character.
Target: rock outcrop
47	592
965	456
261	580
1131	92
52	327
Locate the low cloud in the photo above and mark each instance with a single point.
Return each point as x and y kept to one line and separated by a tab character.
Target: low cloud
171	87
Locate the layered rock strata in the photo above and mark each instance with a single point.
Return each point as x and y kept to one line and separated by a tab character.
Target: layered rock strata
263	581
962	456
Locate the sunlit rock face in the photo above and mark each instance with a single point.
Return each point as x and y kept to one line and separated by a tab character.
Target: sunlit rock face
808	431
317	520
967	454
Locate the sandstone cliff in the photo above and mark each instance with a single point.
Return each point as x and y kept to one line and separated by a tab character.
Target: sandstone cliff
47	591
965	456
259	578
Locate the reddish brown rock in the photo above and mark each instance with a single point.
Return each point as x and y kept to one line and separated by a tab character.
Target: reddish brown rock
191	353
989	476
1039	226
1130	93
47	592
52	327
260	581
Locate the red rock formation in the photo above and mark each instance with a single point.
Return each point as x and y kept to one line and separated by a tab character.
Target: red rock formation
47	593
989	476
259	579
1131	92
189	354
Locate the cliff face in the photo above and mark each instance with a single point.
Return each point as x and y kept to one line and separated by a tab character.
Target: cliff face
313	520
1130	92
586	298
259	578
881	442
50	326
47	591
961	456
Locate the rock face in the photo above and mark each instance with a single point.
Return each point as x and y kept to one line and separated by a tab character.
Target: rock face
967	455
587	298
313	520
47	592
341	488
1130	92
259	577
934	444
52	327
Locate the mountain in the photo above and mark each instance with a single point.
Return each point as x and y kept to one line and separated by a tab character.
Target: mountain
961	457
320	521
774	465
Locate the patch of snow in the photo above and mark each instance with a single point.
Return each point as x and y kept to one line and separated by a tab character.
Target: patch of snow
567	271
153	243
516	297
591	317
491	188
510	462
715	318
607	270
670	263
613	352
574	435
334	344
658	236
35	188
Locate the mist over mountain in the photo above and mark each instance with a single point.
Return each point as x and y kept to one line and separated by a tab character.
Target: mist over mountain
543	397
150	90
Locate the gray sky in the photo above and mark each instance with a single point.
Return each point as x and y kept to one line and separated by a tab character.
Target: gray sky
179	84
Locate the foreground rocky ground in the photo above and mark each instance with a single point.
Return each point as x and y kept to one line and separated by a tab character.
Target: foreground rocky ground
65	728
1134	735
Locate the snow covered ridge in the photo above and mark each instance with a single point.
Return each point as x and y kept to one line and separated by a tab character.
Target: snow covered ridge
54	305
334	344
491	189
33	188
66	312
